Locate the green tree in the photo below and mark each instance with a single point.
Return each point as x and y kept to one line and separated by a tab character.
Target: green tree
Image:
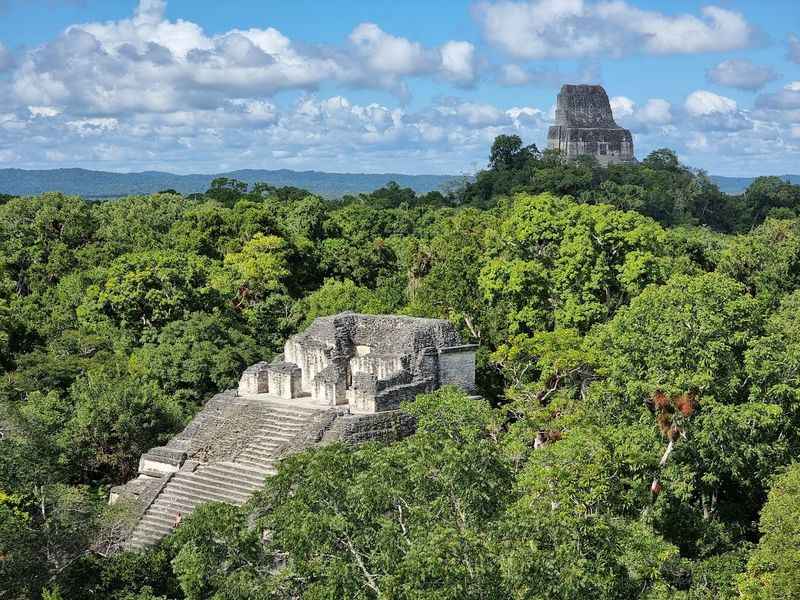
144	291
553	263
767	260
773	570
114	421
193	358
335	297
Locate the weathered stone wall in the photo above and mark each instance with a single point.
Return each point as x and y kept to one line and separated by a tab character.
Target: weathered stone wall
584	106
387	427
457	366
389	334
254	380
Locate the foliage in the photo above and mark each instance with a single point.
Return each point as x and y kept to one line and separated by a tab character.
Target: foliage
638	363
773	570
553	263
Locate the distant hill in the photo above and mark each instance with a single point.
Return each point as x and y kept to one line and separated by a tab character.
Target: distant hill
737	185
104	184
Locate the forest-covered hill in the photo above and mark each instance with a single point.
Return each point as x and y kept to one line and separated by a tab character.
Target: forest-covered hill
737	185
105	184
639	364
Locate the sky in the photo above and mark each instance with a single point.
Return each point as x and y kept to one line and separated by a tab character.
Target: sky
412	86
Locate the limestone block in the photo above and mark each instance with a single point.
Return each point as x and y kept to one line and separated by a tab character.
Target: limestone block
329	393
285	380
381	365
161	460
254	380
361	394
457	366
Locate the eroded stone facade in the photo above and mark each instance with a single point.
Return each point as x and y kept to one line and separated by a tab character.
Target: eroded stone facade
369	362
585	126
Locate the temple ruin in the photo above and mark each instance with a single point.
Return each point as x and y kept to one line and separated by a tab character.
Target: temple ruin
369	362
342	379
585	126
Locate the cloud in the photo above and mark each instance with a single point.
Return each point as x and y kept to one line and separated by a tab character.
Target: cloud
655	113
458	62
385	53
540	29
793	53
47	112
146	63
391	56
6	59
741	74
786	99
707	111
622	106
702	103
149	93
323	133
516	75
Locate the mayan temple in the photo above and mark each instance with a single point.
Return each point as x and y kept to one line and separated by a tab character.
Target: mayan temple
342	379
585	126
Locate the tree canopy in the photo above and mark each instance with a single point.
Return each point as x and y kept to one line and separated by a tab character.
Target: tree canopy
638	368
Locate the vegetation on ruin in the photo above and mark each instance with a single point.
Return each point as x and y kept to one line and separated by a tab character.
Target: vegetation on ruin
639	364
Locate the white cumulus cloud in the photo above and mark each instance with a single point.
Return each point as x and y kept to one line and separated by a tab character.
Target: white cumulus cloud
741	74
656	112
147	63
622	106
701	103
539	29
458	62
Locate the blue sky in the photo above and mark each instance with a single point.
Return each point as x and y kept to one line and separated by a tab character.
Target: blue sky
413	86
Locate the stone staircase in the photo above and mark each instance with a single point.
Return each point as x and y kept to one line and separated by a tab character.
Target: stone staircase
232	481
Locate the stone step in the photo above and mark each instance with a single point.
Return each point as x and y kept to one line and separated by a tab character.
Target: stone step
256	464
282	422
144	540
210	479
193	498
291	411
174	504
264	461
266	467
232	481
237	473
278	423
148	532
207	491
270	449
268	453
275	435
157	518
154	530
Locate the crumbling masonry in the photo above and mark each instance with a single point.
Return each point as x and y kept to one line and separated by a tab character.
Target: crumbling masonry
342	379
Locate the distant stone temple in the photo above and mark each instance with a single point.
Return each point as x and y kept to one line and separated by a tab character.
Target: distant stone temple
585	126
342	379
